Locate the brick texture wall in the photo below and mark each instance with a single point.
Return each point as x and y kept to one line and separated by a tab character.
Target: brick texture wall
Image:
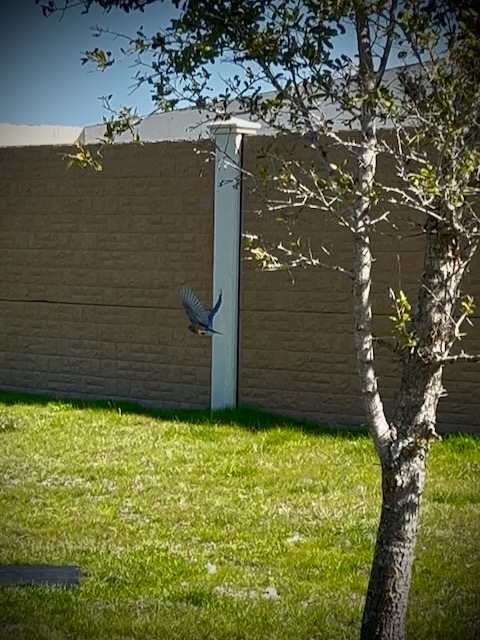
297	351
90	269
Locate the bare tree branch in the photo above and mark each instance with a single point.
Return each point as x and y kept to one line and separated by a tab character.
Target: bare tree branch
460	357
388	44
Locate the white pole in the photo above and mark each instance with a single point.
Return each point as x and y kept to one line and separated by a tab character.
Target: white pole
227	136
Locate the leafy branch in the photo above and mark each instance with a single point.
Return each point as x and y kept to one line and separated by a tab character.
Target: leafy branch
118	123
402	320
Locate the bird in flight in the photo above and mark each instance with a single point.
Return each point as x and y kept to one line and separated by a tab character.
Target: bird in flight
200	319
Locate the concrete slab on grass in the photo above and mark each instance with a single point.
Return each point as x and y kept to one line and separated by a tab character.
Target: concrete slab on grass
39	574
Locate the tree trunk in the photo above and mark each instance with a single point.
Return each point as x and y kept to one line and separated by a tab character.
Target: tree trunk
403	445
403	461
403	474
362	254
387	596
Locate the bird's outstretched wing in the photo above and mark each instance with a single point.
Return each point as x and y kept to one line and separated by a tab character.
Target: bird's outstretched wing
193	307
212	313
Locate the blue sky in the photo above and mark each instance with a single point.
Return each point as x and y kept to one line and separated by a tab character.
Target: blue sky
42	79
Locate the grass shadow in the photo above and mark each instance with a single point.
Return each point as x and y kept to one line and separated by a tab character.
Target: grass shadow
249	418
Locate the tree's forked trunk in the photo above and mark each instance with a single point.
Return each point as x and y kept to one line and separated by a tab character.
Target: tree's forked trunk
403	460
403	444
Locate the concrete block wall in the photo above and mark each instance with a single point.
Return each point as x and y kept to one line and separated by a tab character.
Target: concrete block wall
297	350
91	264
90	267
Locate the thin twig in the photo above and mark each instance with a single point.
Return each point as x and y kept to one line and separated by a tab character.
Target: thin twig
460	357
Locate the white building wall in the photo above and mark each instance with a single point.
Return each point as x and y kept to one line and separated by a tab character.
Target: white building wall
24	135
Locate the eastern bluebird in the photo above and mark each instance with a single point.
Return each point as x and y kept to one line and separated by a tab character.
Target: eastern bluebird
201	321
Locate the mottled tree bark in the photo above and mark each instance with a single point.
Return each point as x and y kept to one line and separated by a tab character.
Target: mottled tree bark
402	446
403	461
362	255
387	596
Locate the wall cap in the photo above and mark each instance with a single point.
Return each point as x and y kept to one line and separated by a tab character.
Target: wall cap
234	125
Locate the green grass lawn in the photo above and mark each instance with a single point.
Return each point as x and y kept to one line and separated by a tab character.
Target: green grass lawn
181	523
